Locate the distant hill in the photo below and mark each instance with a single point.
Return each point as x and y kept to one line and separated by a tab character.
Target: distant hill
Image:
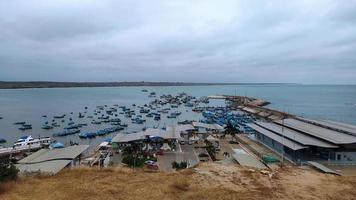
49	84
41	84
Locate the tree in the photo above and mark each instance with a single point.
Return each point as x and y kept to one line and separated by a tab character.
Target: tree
131	155
8	172
178	166
230	130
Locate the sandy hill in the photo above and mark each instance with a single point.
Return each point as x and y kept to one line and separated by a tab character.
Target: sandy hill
207	181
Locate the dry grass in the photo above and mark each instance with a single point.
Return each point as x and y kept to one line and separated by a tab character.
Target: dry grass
208	181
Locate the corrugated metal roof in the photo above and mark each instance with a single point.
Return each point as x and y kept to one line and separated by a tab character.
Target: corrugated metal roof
246	160
335	125
208	126
51	167
322	167
50	160
169	133
317	131
286	142
296	136
70	152
264	114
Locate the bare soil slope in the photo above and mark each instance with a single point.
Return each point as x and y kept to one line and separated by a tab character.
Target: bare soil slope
207	181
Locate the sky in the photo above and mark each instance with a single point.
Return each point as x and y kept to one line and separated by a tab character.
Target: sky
239	41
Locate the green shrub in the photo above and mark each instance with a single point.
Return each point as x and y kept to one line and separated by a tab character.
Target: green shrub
8	172
178	166
133	161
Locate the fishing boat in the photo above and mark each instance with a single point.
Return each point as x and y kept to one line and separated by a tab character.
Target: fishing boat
144	90
25	127
157	117
152	94
103	117
185	122
115	120
59	116
172	115
56	145
74	126
66	132
87	135
47	127
80	115
55	125
19	123
144	110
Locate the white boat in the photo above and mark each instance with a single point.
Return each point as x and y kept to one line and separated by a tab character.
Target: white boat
29	141
26	143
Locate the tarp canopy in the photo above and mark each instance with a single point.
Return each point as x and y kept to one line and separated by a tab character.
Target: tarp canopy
208	126
168	133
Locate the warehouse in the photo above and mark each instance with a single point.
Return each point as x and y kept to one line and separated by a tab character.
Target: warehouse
301	140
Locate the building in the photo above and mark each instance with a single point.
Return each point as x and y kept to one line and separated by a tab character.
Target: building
51	161
301	140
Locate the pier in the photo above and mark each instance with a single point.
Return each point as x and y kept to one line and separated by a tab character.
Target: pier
241	100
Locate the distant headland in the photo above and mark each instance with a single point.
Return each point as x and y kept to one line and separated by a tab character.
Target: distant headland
50	84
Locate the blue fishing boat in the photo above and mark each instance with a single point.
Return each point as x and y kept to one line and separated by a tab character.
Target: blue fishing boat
57	145
66	132
2	140
87	135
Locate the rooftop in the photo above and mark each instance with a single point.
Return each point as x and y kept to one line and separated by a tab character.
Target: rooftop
50	160
329	135
295	135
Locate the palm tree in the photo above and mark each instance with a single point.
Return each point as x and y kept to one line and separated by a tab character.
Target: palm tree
230	130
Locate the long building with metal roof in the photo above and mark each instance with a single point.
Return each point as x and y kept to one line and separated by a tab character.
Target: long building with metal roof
285	141
338	126
329	135
295	135
301	140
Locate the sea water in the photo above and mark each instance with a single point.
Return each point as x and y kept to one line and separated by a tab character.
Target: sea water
333	102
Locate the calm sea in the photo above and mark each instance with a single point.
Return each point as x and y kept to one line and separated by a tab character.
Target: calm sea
313	101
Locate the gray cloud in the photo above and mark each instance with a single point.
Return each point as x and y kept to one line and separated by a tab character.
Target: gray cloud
199	41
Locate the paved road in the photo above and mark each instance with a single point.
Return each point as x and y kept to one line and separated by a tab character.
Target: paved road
187	154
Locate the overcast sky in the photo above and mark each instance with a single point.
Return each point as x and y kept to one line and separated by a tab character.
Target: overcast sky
302	41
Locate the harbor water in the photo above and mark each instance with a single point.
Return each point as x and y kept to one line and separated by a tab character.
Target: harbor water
333	102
